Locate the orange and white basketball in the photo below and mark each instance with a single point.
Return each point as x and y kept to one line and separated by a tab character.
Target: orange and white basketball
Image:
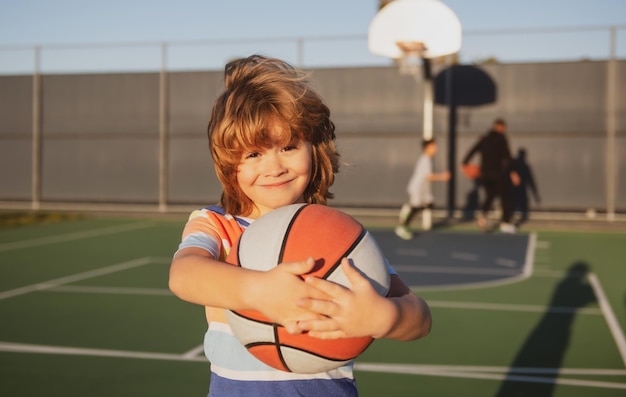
294	233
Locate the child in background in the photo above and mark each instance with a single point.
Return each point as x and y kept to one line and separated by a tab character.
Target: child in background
272	142
419	188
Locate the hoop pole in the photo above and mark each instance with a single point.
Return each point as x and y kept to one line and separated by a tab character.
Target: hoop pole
428	124
428	109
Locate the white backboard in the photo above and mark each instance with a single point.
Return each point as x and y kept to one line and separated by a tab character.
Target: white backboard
429	22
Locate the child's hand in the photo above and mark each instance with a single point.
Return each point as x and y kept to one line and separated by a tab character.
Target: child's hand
279	290
359	311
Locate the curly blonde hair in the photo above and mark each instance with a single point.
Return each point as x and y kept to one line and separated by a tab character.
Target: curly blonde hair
260	92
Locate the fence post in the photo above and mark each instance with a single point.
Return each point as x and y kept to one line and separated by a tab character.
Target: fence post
36	131
611	151
300	52
163	130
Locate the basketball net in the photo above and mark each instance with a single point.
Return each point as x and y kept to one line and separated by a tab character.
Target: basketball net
411	60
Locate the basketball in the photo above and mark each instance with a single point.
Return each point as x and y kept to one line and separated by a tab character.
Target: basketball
294	233
472	171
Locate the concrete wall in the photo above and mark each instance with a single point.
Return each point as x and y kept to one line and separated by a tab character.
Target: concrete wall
101	132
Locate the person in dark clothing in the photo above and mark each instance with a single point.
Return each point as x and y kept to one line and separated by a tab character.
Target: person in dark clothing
527	188
497	172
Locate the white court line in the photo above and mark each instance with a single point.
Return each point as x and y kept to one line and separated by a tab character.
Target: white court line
548	273
111	290
432	303
609	315
79	351
531	379
196	351
493	373
465	256
512	307
420	368
412	252
75	277
433	371
502	370
73	236
529	263
506	262
456	270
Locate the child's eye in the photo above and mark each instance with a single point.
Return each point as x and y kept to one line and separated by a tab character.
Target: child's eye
251	155
291	146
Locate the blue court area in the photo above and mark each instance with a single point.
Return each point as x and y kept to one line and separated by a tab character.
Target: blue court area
437	259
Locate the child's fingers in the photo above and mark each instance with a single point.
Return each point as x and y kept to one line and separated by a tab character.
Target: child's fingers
324	328
292	327
325	308
333	290
349	270
299	268
352	273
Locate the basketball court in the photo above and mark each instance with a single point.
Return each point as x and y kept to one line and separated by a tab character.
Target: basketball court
82	306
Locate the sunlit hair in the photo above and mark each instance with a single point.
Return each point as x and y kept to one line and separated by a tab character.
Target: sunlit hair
261	92
428	141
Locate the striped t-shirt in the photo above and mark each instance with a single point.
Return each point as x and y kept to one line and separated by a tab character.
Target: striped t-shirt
234	371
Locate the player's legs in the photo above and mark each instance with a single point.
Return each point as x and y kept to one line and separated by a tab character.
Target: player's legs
491	192
407	213
406	216
507	208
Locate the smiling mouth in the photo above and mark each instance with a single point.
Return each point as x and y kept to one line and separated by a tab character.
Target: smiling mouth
277	184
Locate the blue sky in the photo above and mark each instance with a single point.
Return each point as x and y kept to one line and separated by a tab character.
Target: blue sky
248	23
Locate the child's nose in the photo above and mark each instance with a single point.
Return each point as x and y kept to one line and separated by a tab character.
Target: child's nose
274	165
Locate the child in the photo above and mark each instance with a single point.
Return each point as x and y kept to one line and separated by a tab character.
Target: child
272	143
419	188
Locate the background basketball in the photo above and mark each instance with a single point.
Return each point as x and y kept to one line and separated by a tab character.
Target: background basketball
293	233
471	171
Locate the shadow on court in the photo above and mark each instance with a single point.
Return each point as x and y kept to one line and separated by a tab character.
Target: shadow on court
472	202
547	344
436	259
445	259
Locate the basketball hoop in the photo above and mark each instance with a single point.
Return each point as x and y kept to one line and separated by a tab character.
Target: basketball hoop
412	32
427	26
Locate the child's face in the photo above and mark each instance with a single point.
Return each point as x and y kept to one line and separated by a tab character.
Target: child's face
431	149
276	176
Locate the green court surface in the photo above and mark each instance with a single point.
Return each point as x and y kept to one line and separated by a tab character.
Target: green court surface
85	310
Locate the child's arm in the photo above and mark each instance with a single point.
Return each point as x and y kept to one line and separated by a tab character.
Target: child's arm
361	311
195	276
439	177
